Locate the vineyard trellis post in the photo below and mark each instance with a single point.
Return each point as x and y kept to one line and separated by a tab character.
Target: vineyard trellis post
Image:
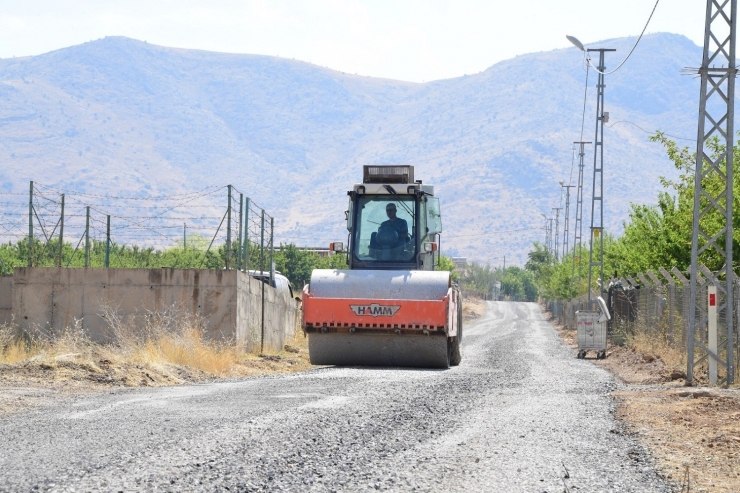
262	273
61	233
246	234
30	225
272	251
107	241
239	240
228	232
87	236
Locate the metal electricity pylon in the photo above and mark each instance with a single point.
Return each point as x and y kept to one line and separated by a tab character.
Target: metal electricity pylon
566	221
578	227
597	190
557	232
712	224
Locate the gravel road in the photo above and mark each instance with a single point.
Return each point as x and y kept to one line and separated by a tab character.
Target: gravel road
519	414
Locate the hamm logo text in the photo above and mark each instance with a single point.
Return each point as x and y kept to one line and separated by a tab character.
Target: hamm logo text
375	310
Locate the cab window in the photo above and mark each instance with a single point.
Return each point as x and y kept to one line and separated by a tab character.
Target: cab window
384	230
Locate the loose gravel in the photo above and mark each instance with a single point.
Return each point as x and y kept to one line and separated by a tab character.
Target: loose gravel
520	413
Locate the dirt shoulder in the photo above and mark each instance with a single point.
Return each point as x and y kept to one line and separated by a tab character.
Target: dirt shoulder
473	309
692	432
36	381
40	379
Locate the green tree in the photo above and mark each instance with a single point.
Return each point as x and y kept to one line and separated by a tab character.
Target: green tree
446	263
654	235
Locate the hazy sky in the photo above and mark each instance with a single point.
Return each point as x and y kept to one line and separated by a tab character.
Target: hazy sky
412	40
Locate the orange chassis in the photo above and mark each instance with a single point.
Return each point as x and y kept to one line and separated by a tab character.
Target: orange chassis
363	315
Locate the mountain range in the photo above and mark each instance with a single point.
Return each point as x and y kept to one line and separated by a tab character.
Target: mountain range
119	116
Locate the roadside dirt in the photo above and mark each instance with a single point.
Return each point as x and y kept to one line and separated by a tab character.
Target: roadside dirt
33	382
692	432
473	309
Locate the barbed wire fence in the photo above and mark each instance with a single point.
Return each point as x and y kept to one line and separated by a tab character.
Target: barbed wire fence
47	227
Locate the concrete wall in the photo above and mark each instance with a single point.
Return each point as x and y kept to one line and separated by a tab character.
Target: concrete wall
53	298
6	299
282	315
229	302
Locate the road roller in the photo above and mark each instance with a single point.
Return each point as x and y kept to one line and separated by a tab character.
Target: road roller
390	307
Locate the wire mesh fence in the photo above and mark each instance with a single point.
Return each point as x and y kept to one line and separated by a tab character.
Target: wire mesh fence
658	312
213	228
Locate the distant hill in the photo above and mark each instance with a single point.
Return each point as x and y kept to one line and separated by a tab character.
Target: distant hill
122	116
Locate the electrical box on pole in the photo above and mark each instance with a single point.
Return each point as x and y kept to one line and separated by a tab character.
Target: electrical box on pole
712	221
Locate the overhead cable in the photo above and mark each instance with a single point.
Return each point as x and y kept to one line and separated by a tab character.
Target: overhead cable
633	48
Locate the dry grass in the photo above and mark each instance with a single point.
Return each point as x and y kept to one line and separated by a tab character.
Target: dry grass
658	346
165	348
473	308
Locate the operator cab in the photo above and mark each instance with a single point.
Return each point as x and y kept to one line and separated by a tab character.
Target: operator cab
393	221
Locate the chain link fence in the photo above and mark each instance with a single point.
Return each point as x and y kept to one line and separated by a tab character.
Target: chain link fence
654	310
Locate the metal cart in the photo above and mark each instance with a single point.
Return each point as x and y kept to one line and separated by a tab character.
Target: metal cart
591	330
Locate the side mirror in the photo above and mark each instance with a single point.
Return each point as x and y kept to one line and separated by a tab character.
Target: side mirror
336	247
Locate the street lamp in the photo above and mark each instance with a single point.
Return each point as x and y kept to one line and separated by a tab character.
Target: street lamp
597	198
575	42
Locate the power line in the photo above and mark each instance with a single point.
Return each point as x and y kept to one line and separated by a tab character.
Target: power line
633	48
494	233
647	131
160	197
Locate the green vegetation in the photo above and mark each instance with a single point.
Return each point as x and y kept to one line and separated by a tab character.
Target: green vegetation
654	235
516	283
294	263
297	264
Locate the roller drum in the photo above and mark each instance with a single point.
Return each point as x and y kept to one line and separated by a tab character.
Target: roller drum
344	349
382	348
